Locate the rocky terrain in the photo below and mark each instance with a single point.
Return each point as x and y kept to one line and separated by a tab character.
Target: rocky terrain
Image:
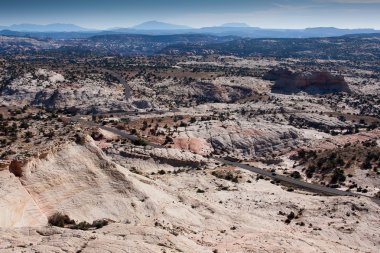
9	44
313	83
349	47
51	90
185	210
101	151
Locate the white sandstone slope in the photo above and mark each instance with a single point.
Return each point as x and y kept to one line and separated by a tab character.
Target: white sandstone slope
80	181
17	207
190	211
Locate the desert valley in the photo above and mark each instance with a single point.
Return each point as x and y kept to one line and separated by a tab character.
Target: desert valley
189	143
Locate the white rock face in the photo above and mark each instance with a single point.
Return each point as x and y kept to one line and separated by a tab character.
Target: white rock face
82	182
237	137
51	75
167	212
17	207
51	90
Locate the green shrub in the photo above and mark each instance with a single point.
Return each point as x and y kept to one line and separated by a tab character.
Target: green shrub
99	223
338	176
310	171
63	220
84	225
183	124
60	220
295	174
140	142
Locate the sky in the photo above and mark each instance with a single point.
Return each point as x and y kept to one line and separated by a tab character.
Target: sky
103	14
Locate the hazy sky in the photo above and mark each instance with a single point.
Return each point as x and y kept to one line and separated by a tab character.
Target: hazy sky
196	13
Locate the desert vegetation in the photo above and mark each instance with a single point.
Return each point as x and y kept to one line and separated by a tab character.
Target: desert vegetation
63	221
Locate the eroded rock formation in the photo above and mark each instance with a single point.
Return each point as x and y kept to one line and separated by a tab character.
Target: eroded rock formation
319	82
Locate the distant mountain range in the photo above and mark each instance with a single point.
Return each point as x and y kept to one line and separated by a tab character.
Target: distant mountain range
67	31
156	25
45	28
235	25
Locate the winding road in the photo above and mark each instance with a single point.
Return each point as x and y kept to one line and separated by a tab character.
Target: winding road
288	180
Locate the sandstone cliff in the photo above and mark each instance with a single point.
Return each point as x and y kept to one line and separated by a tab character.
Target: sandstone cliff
320	82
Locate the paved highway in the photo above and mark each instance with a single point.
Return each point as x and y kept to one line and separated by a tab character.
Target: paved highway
301	184
297	183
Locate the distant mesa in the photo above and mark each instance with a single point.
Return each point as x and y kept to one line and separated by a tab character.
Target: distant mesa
335	31
235	25
45	28
313	83
156	25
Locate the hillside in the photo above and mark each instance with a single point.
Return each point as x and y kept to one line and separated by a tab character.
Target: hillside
353	47
181	143
190	211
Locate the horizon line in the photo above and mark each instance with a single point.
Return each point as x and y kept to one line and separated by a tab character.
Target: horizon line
189	27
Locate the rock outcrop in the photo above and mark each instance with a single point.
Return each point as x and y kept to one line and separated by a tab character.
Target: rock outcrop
171	212
237	137
78	180
319	82
51	90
